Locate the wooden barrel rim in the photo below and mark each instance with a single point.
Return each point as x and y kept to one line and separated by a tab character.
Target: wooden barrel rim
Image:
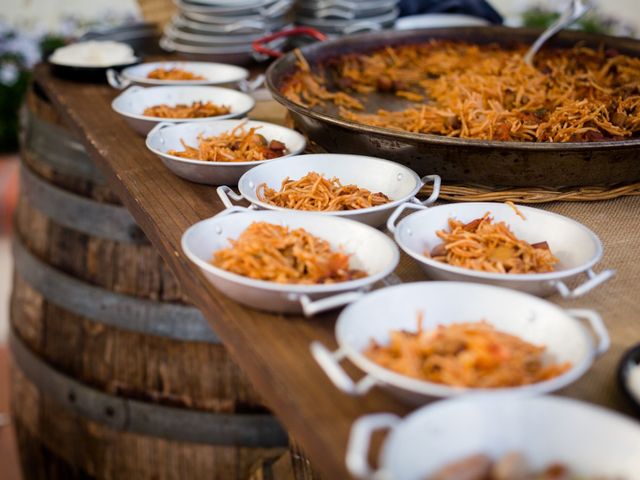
79	213
146	418
170	320
69	156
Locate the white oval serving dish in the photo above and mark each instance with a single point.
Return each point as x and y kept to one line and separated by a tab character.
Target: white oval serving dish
219	74
591	441
396	308
577	248
370	250
166	136
399	183
133	101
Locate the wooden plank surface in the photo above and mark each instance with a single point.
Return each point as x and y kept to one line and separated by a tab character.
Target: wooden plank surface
273	349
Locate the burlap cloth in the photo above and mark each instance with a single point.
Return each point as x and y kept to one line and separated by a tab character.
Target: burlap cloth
617	223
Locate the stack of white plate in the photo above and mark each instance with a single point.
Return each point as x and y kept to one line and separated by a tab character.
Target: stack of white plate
223	30
338	17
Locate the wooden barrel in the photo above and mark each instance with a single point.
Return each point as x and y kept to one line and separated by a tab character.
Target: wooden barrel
115	375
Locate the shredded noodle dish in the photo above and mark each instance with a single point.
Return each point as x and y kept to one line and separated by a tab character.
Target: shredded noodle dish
511	466
481	91
265	251
473	355
182	110
489	246
236	145
317	193
173	74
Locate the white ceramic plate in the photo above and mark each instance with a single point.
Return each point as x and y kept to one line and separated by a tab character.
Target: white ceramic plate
438	20
577	247
370	250
396	308
165	137
133	101
219	74
398	182
590	440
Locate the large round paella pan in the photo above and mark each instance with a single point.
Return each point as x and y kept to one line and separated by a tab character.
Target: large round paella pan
488	162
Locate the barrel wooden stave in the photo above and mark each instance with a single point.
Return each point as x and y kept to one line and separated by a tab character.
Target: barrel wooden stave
191	375
132	269
88	449
46	135
142	365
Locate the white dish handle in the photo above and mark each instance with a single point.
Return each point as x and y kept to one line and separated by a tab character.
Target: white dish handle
311	307
167	45
250	86
225	192
437	183
360	440
597	325
116	80
594	280
391	222
233	209
330	364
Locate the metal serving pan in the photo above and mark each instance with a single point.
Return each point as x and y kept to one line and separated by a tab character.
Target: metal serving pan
577	248
396	181
490	163
591	441
577	336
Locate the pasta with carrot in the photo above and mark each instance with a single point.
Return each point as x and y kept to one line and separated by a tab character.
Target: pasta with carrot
317	193
471	355
274	253
487	92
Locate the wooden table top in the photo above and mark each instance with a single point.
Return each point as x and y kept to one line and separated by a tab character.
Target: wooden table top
273	350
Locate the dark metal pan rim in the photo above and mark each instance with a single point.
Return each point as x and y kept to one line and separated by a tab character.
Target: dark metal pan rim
441	140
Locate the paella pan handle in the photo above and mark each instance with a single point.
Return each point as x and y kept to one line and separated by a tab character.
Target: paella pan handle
116	80
597	325
330	364
594	280
391	222
311	307
225	192
357	458
435	193
259	45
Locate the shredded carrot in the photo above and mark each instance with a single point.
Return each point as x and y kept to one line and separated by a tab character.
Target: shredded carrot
173	74
265	251
473	354
490	247
182	110
486	92
237	145
317	193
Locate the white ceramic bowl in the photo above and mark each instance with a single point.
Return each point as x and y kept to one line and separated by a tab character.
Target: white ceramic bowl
165	137
396	308
577	247
370	250
219	74
398	182
133	101
590	440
